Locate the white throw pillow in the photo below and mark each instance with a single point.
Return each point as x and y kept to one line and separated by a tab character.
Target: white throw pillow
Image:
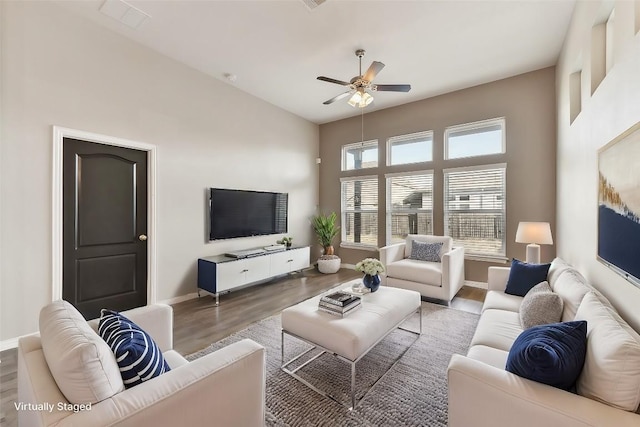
572	287
611	372
81	363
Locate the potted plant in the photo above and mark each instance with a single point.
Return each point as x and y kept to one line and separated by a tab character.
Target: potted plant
371	267
326	229
285	241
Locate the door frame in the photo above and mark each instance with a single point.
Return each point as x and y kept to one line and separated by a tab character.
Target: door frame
59	133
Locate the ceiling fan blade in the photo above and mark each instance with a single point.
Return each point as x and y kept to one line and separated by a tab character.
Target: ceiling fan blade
393	88
336	98
330	80
373	70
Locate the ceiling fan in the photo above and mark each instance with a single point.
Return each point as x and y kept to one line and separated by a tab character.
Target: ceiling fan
359	85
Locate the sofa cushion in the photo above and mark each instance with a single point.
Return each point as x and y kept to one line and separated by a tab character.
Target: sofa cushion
488	355
524	276
550	354
421	251
497	329
572	287
540	306
612	367
501	301
558	265
447	242
80	362
416	271
138	356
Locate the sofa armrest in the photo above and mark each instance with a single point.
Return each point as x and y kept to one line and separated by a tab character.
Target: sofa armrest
453	271
391	253
481	395
497	278
155	319
225	388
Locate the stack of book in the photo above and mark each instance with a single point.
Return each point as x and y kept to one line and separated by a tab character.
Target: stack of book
339	303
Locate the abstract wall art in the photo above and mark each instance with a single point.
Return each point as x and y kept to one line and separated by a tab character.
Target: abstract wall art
619	204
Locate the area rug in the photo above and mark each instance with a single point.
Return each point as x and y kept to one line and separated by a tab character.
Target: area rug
411	393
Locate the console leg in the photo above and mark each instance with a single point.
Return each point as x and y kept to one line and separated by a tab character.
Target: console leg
198	292
217	299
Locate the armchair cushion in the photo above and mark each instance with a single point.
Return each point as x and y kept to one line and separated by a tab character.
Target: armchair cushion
416	271
524	276
138	356
422	251
81	363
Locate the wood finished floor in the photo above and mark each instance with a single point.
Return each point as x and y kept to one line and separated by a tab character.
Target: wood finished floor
198	322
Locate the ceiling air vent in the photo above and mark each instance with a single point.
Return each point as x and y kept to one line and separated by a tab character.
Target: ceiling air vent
122	11
312	4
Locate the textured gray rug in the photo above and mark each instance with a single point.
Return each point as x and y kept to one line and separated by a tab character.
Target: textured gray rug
412	393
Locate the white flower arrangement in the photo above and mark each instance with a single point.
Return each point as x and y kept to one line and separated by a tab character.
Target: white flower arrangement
370	266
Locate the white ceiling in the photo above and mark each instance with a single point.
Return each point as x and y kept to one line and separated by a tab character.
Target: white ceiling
278	48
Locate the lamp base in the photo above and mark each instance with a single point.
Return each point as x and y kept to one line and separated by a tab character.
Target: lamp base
533	253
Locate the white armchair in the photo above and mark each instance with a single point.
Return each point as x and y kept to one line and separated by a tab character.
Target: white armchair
223	388
439	280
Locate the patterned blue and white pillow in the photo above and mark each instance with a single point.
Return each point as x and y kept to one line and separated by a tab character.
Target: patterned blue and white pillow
422	251
137	354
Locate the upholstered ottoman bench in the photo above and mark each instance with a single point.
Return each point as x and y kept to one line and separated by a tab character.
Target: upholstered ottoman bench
351	337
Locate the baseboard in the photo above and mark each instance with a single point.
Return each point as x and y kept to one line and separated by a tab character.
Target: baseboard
9	344
472	284
176	300
349	266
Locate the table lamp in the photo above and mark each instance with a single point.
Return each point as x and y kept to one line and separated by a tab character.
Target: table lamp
536	234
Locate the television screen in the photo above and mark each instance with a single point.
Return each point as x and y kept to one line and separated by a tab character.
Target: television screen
239	213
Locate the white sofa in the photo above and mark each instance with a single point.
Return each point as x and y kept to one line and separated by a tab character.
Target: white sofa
483	394
438	280
224	388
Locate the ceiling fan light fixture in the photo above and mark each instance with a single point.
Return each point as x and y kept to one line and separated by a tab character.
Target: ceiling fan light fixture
360	99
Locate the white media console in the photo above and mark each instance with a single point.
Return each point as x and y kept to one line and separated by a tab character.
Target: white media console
223	273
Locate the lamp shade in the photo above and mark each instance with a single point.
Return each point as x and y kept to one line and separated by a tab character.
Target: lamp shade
534	232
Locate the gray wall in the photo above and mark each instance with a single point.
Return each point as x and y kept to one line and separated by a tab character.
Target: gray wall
60	69
606	112
526	101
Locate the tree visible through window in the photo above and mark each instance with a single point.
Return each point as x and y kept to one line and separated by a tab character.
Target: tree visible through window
359	223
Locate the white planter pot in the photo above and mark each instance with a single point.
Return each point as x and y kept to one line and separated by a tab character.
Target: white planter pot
327	266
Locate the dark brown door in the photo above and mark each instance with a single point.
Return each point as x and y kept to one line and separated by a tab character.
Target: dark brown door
105	227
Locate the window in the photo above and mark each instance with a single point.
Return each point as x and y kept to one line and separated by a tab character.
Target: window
474	209
475	139
360	155
409	205
359	223
412	148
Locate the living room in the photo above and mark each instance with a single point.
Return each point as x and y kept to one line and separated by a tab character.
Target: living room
59	68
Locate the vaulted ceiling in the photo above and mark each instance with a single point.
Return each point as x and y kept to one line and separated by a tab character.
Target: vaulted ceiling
276	49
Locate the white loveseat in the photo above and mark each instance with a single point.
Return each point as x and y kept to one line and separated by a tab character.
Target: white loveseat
438	280
483	394
224	388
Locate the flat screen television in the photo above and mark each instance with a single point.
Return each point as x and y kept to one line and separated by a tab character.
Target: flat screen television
241	213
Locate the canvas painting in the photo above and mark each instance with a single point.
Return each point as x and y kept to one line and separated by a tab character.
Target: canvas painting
619	204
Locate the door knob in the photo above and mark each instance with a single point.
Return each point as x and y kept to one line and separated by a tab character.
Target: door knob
142	237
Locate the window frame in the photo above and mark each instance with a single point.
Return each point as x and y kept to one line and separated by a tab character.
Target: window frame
499	257
343	212
406	138
361	144
468	127
388	209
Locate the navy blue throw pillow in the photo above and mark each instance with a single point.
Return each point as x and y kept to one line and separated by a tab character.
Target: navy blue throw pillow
523	277
550	354
137	354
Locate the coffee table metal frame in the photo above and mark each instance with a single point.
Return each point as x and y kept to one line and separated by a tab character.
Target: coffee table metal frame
284	365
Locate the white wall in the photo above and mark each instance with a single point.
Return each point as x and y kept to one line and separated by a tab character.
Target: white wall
59	69
609	111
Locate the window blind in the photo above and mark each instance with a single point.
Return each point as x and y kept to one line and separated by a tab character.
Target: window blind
409	205
360	210
474	208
